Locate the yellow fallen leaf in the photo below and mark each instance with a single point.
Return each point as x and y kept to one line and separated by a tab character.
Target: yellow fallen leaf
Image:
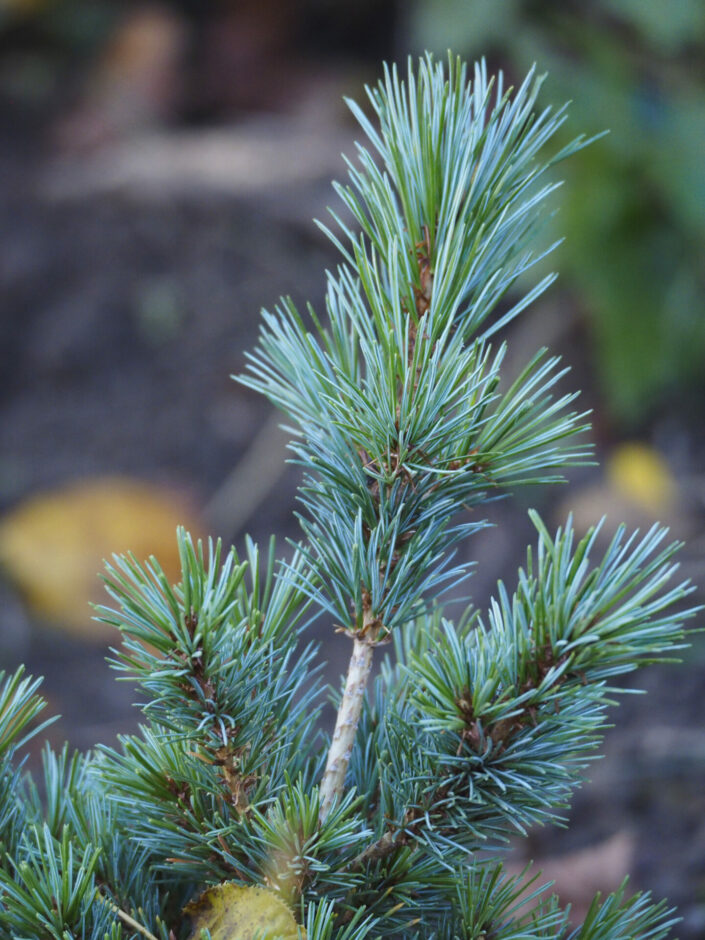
233	912
52	546
641	475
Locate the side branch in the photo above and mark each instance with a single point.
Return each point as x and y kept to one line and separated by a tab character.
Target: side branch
389	842
348	718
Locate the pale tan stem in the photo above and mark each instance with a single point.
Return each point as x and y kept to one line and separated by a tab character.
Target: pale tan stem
130	921
346	724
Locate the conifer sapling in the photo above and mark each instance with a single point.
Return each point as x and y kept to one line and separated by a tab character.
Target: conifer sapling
231	813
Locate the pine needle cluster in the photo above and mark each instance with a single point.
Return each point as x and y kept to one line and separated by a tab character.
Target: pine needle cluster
232	813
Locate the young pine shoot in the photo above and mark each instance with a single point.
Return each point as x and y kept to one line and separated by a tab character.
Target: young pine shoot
231	814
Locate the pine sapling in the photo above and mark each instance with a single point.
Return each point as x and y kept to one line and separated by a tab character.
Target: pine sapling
231	813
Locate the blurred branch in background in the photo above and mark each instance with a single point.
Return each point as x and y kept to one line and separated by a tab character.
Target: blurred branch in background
636	263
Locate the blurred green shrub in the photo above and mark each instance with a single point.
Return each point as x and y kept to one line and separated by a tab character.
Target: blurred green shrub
636	258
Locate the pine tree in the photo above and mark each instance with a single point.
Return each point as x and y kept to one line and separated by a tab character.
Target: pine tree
231	813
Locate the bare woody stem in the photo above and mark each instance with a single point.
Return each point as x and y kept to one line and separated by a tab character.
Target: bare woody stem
130	921
364	641
348	719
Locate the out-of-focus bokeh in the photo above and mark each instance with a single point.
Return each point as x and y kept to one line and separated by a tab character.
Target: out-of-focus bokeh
160	165
634	210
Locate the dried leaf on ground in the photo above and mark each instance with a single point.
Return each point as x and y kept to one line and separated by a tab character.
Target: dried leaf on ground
578	876
642	475
52	546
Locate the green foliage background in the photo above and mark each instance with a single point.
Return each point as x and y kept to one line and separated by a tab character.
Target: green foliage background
633	209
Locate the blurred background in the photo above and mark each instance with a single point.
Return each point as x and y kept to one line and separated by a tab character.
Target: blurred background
160	165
